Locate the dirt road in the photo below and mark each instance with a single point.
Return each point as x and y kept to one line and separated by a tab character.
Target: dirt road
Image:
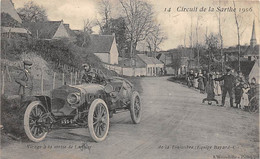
175	124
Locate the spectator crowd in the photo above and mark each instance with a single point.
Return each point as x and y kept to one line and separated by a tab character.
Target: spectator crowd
244	91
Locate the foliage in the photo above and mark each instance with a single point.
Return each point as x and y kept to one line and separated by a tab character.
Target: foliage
32	12
60	51
8	21
118	27
12	48
83	39
210	56
11	117
176	61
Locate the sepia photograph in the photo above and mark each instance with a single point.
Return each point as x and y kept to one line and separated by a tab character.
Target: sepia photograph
129	79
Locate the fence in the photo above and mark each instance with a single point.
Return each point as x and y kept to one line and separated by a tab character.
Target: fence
41	85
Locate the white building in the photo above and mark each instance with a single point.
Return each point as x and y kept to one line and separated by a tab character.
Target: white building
154	67
104	47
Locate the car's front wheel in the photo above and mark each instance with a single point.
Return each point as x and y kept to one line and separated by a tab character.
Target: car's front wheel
98	120
135	107
34	119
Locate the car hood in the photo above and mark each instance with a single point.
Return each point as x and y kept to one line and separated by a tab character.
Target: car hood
88	88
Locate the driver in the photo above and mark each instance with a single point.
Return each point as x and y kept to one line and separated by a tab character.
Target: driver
89	75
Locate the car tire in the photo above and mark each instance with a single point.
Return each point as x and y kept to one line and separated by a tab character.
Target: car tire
135	107
98	120
33	130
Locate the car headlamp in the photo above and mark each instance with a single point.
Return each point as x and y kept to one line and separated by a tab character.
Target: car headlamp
73	98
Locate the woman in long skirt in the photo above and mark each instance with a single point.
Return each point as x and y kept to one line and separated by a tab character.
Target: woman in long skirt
201	83
196	83
217	87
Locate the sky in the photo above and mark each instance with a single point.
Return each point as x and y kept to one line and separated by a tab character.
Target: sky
180	17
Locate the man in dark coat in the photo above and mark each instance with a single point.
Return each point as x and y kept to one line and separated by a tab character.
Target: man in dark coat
229	83
85	77
25	80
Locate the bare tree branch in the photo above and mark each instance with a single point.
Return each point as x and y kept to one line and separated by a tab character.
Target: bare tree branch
139	23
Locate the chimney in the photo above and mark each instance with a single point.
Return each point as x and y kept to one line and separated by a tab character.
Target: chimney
67	25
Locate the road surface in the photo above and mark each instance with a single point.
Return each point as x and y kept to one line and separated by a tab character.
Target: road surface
175	124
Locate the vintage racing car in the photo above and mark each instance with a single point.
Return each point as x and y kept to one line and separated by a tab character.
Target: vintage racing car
87	105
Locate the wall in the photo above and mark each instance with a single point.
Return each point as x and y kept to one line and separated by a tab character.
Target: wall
114	53
104	57
127	71
61	32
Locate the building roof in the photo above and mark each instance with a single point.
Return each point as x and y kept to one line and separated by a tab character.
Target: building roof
145	59
155	60
127	63
70	32
165	58
252	51
14	30
149	60
234	50
8	7
245	66
100	43
44	30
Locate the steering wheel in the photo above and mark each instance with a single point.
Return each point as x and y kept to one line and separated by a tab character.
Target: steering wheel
94	77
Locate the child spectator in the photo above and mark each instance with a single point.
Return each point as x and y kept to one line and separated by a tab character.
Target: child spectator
253	88
244	99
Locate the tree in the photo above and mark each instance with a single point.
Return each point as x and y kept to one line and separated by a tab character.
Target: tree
139	21
242	20
176	60
154	39
197	40
105	11
32	12
83	39
118	27
212	56
238	35
221	38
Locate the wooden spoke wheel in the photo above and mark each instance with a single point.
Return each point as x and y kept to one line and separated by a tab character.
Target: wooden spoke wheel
98	120
135	107
34	119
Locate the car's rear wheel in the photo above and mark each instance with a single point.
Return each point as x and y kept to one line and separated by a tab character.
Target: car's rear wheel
135	107
34	119
98	120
